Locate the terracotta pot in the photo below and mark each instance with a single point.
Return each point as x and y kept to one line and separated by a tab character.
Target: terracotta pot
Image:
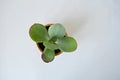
41	47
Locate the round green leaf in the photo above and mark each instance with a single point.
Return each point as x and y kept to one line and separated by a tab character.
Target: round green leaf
67	44
38	33
48	55
56	30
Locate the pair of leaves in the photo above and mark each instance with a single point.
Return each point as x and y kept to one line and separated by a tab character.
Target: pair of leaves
50	45
52	39
65	44
38	32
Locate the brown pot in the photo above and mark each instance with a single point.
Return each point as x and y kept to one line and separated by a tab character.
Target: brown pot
41	47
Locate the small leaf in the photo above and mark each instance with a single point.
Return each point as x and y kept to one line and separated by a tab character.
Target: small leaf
48	55
50	45
67	44
38	33
56	30
53	40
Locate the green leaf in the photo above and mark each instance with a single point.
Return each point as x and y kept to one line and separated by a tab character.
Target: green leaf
50	45
67	44
48	55
38	33
56	30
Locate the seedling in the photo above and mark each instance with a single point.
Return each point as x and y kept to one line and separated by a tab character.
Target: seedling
53	38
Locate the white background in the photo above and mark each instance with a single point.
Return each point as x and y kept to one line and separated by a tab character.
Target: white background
95	24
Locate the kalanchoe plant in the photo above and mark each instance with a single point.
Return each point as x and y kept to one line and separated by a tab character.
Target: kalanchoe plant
52	39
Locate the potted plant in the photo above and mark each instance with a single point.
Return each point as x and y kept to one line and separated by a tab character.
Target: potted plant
52	40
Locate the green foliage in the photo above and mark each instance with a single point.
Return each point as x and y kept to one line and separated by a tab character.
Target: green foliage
50	45
56	30
38	33
52	39
67	44
48	55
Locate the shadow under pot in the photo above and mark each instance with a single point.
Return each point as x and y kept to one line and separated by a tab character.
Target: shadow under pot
41	47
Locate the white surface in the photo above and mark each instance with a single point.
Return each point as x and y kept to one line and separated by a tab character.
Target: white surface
94	23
